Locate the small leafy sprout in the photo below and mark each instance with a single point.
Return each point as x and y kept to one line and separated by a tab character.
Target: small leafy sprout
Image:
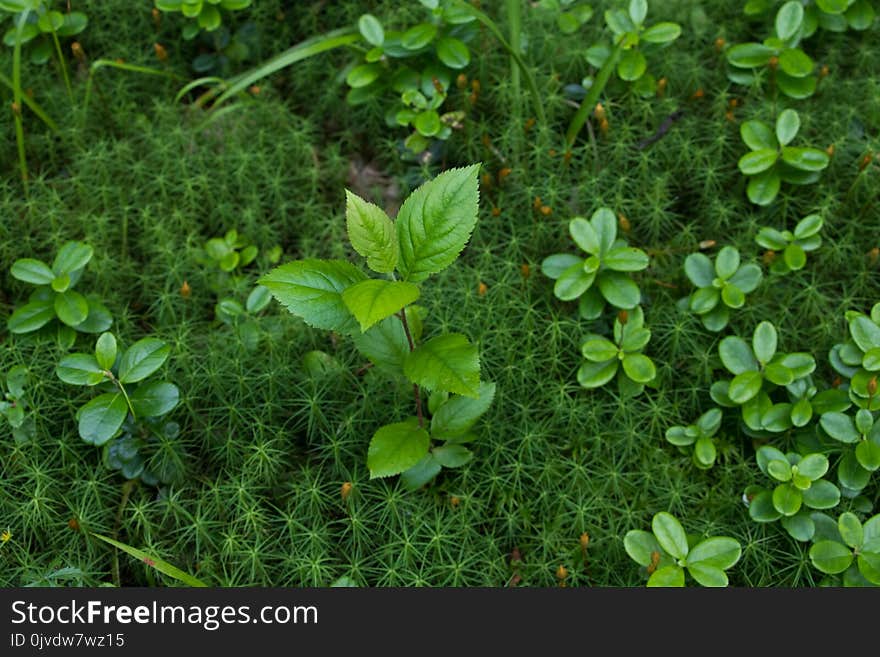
667	552
772	161
807	402
604	275
831	15
851	548
789	67
125	419
55	298
799	484
858	359
630	35
721	286
570	15
699	435
604	358
229	253
14	405
433	226
793	245
758	368
243	318
418	65
201	14
861	452
42	26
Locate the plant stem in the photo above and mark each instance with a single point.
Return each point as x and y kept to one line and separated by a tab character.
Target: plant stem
589	102
127	487
416	393
63	65
17	100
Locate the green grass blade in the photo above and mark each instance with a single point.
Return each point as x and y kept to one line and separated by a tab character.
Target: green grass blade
98	64
589	102
526	71
162	566
303	50
17	96
32	105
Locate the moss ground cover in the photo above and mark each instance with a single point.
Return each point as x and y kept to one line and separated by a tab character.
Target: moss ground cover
272	485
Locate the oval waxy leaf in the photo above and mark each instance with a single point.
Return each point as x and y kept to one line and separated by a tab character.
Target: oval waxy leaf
101	418
142	359
32	271
670	534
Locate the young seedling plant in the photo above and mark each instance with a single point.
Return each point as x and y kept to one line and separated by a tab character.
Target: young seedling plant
14	405
720	286
758	369
624	56
243	318
798	486
432	227
126	419
860	441
667	552
773	161
789	68
418	65
202	14
700	436
604	275
794	245
54	303
831	15
604	358
858	358
851	548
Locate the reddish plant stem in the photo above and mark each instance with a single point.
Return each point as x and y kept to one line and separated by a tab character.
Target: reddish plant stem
412	346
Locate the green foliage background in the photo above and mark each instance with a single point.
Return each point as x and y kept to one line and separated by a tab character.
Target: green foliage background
267	448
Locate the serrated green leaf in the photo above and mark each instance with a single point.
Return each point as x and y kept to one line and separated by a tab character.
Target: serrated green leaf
371	233
312	289
446	362
459	414
373	300
395	448
435	223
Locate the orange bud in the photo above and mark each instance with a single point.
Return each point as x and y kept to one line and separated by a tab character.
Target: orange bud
537	203
561	572
73	524
438	87
728	115
661	86
161	53
623	317
77	50
552	152
530	123
872	386
830	150
774	62
496	212
566	157
599	112
506	171
836	382
525	270
719	44
185	290
454	501
157	17
866	161
255	89
655	561
475	86
824	71
623	222
874	255
768	257
486	180
16	108
584	540
461	81
604	127
345	491
707	244
482	288
546	210
698	94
